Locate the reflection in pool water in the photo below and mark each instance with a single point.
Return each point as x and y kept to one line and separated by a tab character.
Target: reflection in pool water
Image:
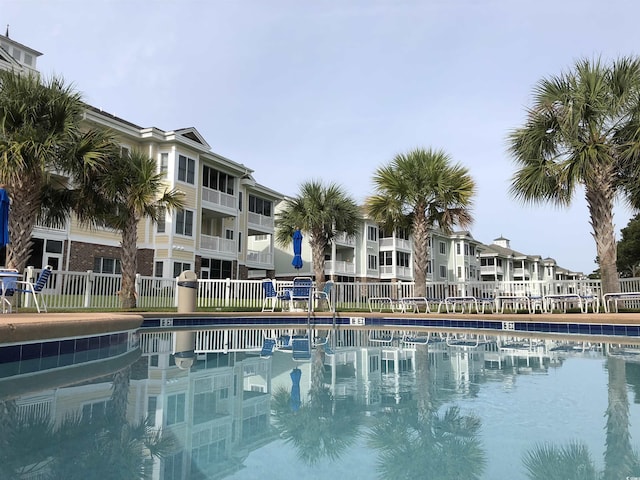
367	404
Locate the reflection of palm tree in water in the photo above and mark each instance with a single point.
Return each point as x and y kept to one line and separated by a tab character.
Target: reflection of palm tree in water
321	427
79	448
416	442
574	461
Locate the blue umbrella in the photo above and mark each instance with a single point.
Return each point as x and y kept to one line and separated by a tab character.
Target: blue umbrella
4	217
297	249
296	373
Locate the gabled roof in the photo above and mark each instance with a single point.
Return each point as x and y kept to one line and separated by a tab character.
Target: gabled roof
192	134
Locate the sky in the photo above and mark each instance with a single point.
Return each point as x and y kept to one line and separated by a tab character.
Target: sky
332	90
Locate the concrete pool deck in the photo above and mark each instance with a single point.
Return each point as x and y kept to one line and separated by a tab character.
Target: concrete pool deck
22	327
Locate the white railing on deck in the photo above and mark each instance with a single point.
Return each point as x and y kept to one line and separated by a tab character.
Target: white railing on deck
78	290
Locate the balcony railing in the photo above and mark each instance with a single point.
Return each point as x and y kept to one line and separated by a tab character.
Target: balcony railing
259	257
217	244
398	243
389	271
260	220
491	270
339	267
343	239
217	197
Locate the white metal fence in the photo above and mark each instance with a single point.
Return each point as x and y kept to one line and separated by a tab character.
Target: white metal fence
78	290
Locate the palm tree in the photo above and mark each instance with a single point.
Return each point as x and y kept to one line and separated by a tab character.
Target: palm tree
127	191
321	211
420	190
551	462
39	134
580	131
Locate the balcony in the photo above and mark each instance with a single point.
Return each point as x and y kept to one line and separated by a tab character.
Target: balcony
342	238
389	272
388	243
259	258
218	245
223	201
521	272
337	267
260	222
491	270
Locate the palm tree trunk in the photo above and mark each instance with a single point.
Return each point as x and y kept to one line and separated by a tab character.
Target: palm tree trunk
420	252
317	255
618	456
600	202
25	205
129	264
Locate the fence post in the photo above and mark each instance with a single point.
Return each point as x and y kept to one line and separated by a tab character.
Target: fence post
137	287
88	288
227	292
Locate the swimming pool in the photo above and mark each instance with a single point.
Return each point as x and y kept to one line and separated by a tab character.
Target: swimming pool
395	403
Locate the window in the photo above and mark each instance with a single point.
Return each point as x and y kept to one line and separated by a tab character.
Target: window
164	163
162	221
443	248
472	250
179	267
175	409
259	206
403	259
186	169
228	234
459	272
158	269
106	265
402	233
457	249
239	242
152	406
240	201
125	152
466	249
53	246
216	180
372	262
184	222
372	233
386	258
218	269
443	271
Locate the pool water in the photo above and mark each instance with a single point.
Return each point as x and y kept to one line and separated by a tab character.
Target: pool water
447	406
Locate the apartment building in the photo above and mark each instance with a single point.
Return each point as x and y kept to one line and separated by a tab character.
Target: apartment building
225	230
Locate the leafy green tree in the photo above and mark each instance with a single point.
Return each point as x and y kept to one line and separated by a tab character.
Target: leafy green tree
321	211
128	190
44	155
579	132
421	190
629	248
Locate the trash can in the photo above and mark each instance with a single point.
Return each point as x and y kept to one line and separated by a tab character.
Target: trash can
187	291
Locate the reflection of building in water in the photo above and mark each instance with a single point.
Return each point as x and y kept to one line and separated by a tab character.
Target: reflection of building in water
218	410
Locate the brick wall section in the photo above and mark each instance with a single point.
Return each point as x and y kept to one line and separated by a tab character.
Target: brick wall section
82	255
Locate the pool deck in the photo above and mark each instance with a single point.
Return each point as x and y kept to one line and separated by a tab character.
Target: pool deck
21	327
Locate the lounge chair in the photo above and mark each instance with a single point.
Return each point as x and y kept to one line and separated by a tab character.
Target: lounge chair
325	294
271	296
268	345
301	349
301	292
29	288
